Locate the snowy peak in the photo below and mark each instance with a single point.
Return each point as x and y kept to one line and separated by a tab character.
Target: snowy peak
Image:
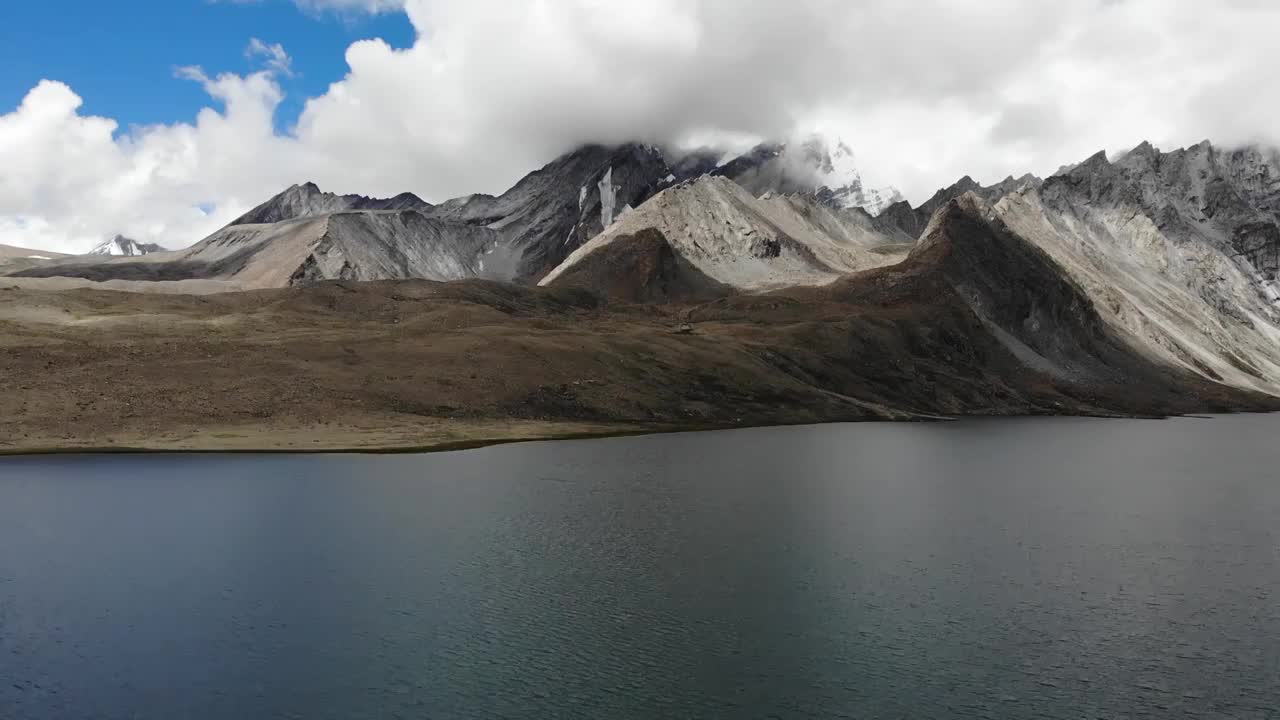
838	181
121	246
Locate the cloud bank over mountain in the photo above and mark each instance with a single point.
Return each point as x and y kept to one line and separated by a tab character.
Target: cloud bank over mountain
491	88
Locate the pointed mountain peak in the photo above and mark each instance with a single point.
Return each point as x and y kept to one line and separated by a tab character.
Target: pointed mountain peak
121	246
967	207
946	194
1097	159
1142	159
1144	148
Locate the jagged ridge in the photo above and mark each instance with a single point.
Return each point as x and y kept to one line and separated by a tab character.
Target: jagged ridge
307	200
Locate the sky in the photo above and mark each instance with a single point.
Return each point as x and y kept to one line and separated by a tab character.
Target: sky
164	119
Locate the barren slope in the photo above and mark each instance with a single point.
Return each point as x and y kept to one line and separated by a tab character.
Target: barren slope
1137	238
750	243
359	245
14	259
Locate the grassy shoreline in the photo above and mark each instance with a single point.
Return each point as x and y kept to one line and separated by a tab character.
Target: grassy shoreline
208	443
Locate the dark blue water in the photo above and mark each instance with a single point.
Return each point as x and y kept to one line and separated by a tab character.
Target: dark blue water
1000	569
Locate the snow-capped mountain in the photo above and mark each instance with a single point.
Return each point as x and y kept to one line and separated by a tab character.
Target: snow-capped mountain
121	246
837	174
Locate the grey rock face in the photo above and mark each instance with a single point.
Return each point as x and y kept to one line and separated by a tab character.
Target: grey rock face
1177	249
553	211
1258	245
1227	199
400	246
352	245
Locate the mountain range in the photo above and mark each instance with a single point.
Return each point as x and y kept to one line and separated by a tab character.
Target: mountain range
1147	283
518	236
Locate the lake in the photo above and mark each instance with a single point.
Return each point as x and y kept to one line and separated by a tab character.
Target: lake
1055	568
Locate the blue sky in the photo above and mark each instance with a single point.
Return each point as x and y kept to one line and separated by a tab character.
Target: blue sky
120	56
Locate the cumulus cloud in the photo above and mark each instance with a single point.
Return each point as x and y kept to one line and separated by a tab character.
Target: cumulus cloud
492	89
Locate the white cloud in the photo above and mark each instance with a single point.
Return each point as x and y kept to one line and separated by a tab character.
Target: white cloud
340	6
492	89
272	55
368	6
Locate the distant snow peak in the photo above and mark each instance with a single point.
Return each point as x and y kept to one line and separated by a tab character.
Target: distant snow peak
121	246
813	165
836	179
